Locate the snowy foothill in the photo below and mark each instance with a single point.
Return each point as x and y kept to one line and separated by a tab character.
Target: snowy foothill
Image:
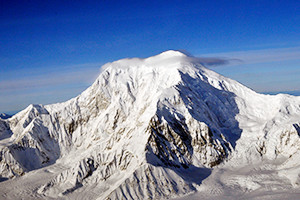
163	127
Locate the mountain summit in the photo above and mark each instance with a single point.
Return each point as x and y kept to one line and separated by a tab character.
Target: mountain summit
159	127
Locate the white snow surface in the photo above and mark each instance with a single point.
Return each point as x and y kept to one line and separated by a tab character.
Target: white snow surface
155	128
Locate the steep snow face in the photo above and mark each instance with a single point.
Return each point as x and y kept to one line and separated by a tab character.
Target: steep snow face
142	119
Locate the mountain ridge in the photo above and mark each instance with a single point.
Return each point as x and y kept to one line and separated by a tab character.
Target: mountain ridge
144	119
4	116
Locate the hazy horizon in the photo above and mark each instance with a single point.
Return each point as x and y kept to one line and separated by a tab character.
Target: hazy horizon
52	51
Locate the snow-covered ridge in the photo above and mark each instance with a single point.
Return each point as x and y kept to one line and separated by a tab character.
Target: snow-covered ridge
142	119
4	116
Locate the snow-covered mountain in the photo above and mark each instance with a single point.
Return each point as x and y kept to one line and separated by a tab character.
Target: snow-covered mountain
157	128
4	116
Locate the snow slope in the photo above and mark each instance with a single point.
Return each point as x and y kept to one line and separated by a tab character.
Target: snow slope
159	127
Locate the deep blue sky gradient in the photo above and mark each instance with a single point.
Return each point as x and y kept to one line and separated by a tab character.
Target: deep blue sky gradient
52	50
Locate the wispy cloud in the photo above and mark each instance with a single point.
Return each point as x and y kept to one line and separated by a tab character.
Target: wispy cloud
84	73
256	56
20	88
214	61
207	61
263	70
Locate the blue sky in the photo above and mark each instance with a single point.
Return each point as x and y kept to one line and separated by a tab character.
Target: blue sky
51	51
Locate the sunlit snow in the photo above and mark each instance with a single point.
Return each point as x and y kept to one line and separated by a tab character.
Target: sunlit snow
159	127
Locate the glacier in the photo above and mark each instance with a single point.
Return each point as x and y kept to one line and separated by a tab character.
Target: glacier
161	127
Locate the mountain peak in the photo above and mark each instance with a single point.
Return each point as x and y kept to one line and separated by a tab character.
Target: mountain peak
163	118
167	59
172	53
